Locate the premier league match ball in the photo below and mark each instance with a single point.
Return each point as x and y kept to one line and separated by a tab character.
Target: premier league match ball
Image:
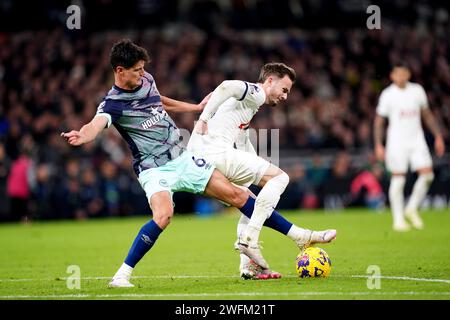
313	262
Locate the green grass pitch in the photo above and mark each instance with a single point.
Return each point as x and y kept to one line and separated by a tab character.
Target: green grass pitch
194	259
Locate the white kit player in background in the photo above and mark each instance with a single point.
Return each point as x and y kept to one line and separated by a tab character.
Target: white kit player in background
222	125
404	103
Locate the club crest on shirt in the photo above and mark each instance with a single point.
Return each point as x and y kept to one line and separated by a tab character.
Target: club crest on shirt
253	88
409	113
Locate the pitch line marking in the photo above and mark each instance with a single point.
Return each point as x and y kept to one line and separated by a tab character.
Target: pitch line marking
403	278
224	277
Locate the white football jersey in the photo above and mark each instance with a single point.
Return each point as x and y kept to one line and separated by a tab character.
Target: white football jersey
403	109
231	118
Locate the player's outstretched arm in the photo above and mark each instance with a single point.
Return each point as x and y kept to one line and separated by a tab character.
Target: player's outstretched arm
87	133
432	125
172	105
378	129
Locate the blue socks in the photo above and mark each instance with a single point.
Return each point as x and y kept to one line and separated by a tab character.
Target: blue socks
276	221
142	244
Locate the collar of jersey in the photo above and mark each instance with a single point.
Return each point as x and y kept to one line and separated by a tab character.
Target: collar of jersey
129	91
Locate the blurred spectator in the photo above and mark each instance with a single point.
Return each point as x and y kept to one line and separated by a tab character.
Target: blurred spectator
110	188
52	80
91	195
300	193
336	190
317	173
5	165
367	185
19	186
43	192
293	195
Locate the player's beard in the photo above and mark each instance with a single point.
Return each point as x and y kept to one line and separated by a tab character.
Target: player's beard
273	103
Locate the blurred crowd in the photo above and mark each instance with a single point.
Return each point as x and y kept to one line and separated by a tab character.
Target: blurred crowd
53	81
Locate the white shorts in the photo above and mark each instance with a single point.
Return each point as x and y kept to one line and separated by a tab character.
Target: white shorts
240	167
402	155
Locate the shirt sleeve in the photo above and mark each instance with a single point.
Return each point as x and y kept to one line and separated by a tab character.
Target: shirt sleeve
106	110
226	90
254	95
423	101
383	106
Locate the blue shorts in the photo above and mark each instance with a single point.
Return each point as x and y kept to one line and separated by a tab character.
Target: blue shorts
186	173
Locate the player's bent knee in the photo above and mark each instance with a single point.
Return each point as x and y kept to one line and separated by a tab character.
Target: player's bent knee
280	181
162	219
283	179
427	178
237	197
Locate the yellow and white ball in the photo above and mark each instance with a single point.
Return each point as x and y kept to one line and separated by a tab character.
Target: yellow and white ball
313	262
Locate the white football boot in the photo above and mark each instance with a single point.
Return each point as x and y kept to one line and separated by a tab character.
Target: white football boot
414	218
253	251
120	282
251	270
122	277
401	226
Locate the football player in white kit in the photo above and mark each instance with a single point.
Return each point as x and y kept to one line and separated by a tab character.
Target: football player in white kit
404	103
222	125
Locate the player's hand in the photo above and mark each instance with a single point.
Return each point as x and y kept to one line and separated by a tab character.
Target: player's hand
73	137
203	103
201	128
379	152
439	146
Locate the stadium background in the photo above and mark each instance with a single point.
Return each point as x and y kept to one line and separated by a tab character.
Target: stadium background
53	78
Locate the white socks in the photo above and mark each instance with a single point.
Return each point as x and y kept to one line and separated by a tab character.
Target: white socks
296	233
396	199
265	203
242	225
420	190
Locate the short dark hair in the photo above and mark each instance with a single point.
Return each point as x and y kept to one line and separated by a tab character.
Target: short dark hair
278	69
401	64
126	54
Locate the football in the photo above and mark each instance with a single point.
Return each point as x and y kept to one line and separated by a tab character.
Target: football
313	262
